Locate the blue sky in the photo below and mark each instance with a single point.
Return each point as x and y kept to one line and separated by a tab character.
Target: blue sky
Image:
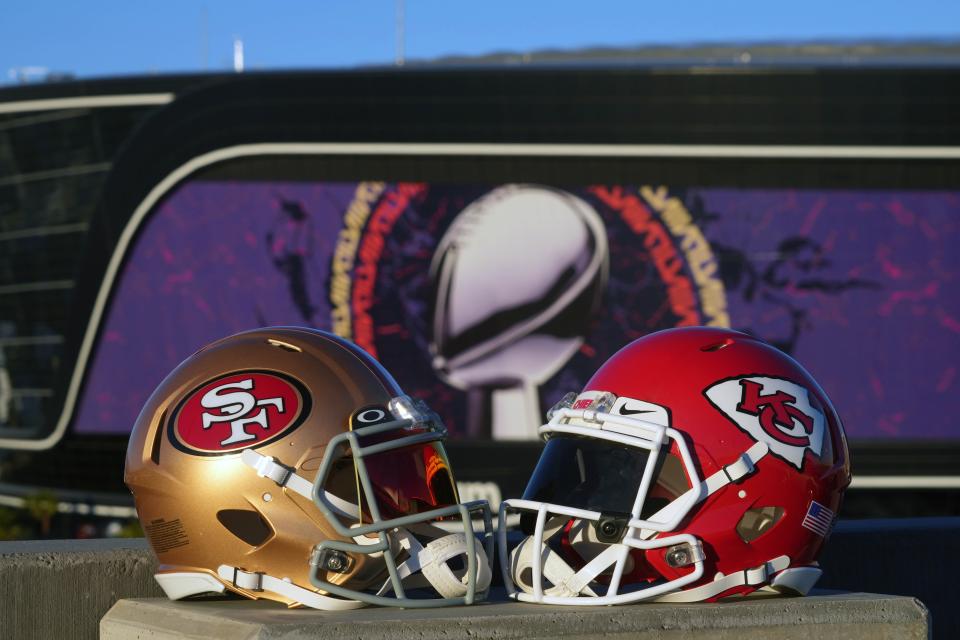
110	37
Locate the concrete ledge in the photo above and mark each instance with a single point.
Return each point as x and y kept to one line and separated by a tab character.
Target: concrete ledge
916	557
851	616
61	588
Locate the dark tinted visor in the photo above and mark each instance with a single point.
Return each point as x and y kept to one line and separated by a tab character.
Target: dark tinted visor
405	481
587	473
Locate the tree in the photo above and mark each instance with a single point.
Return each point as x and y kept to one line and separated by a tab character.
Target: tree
42	506
10	528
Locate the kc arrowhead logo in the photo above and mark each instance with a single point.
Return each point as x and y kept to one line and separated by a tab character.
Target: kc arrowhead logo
772	410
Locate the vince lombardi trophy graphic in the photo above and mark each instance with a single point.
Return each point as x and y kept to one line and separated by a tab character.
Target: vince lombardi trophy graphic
516	279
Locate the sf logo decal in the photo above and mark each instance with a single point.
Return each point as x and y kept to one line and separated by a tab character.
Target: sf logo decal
237	411
231	402
772	410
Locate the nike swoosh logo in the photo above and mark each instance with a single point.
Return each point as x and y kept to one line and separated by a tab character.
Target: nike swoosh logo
629	412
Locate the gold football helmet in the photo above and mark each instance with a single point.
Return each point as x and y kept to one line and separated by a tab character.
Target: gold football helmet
286	464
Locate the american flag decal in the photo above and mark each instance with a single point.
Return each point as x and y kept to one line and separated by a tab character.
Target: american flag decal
819	519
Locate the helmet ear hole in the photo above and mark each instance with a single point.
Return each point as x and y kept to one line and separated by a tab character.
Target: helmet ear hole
756	522
245	524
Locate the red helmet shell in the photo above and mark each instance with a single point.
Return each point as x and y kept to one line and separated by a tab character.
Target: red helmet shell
725	391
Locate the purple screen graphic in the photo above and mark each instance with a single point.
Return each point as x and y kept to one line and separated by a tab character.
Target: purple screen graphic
211	261
860	286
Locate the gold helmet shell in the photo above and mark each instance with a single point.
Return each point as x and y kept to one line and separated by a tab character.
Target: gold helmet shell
248	472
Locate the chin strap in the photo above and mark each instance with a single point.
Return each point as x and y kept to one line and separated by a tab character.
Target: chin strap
431	560
755	577
743	466
737	470
796	581
267	467
249	581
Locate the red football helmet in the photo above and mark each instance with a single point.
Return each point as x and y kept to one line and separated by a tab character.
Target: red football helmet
697	464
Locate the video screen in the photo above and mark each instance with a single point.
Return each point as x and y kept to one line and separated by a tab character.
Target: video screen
493	300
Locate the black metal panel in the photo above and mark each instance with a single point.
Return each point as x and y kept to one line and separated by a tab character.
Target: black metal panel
546	106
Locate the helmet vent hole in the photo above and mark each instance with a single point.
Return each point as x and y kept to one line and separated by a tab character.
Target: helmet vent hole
757	522
247	525
716	346
286	346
